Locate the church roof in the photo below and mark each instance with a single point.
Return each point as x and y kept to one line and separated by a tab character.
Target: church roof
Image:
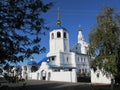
44	60
31	63
59	27
62	67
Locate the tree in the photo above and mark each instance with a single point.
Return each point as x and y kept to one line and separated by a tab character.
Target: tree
105	42
34	68
21	25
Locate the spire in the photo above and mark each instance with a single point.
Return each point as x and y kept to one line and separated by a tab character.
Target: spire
58	18
80	36
79	28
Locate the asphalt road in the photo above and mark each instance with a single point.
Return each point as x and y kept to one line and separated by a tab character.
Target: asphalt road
48	85
52	85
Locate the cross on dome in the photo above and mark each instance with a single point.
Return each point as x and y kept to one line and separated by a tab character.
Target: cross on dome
58	19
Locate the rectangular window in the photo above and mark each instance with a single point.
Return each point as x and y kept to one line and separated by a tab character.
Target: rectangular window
81	59
84	59
67	59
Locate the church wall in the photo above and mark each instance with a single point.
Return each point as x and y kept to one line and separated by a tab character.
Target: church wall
64	76
73	59
66	59
55	60
66	42
82	63
62	59
98	77
76	48
52	45
84	47
83	50
56	45
33	76
59	45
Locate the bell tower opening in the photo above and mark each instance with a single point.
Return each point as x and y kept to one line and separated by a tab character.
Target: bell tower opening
52	36
65	35
58	35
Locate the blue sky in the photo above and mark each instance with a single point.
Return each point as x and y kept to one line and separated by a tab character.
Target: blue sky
73	13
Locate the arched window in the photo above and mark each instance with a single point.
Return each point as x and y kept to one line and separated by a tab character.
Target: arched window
76	48
81	59
52	35
58	34
67	59
78	59
84	59
65	35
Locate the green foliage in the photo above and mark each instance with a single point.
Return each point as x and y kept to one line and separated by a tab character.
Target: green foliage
21	25
105	41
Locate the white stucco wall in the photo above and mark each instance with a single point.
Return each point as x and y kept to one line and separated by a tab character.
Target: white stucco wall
65	59
73	59
82	63
56	61
66	76
63	76
33	76
98	77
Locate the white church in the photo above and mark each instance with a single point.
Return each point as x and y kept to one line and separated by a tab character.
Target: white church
61	63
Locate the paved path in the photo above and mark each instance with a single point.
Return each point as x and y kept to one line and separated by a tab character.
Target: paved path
48	85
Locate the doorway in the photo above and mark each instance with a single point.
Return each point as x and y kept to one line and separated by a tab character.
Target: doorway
43	75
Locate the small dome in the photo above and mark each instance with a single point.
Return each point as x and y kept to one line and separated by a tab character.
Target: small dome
31	63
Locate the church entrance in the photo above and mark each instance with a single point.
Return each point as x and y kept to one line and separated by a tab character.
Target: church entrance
43	74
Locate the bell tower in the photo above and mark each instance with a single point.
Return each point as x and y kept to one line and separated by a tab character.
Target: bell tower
59	38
